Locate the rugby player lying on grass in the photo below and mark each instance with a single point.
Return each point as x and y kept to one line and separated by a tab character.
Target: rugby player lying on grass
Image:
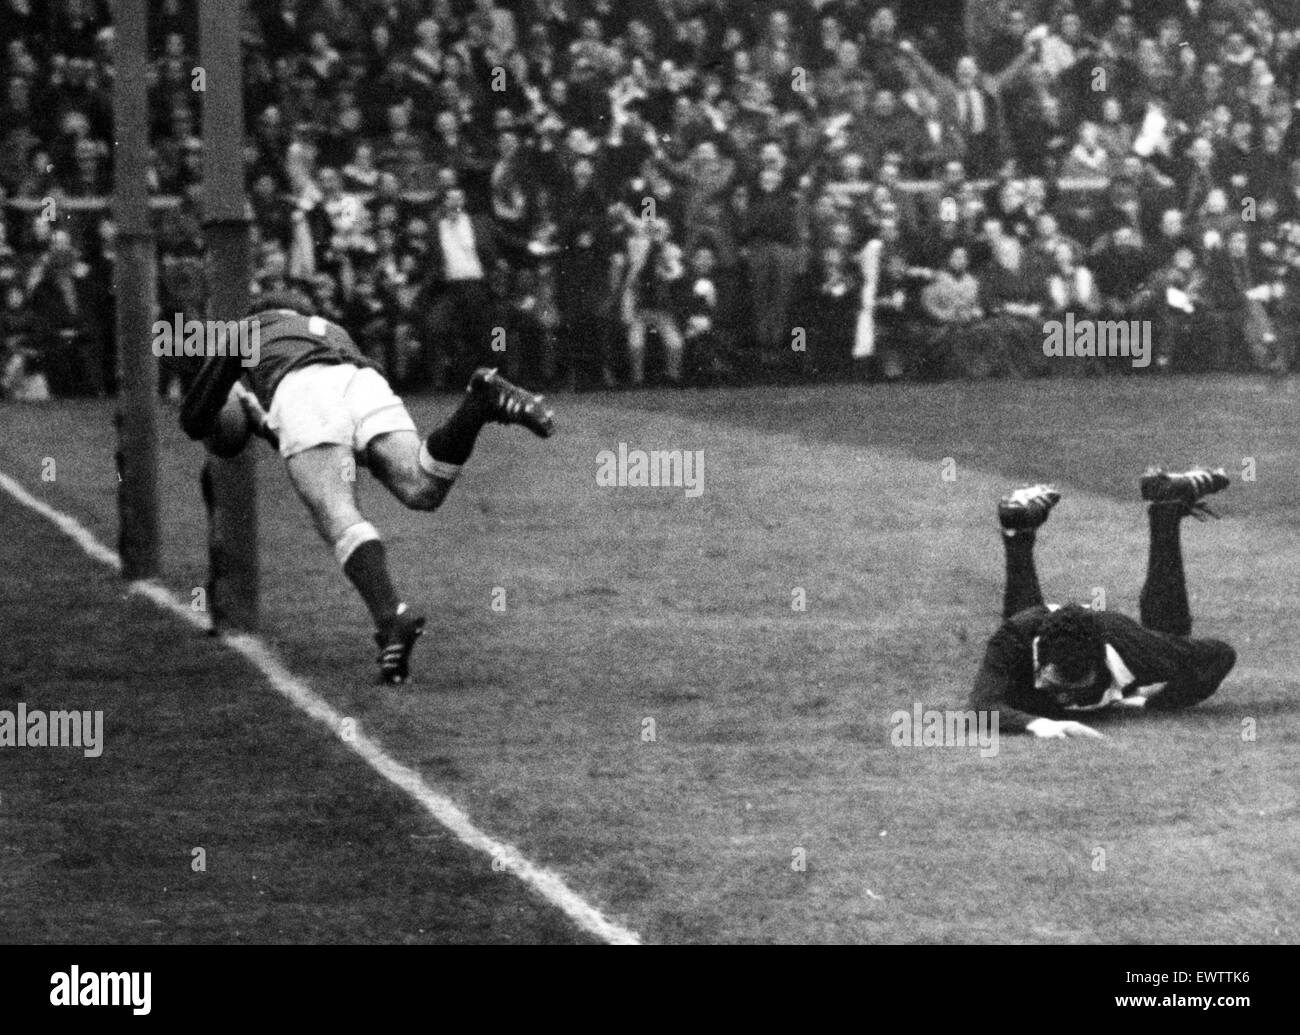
1047	665
316	397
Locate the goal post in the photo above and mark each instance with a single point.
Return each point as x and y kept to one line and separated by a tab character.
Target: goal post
135	288
230	486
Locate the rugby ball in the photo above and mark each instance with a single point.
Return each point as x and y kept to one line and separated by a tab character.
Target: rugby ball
231	431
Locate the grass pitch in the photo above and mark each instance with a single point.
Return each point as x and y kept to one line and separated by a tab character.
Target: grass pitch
622	605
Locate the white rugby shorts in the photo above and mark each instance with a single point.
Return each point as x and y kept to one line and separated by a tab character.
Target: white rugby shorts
337	404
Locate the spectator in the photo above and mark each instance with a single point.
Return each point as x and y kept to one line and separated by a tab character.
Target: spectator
771	237
952	303
973	107
67	325
464	252
21	378
651	298
1088	158
1121	261
1174	297
585	296
836	297
405	152
1071	285
710	314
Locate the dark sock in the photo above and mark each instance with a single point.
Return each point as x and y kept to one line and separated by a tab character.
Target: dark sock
1163	605
1022	590
367	569
454	441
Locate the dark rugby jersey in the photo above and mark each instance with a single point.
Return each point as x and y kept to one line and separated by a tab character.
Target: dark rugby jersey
289	340
1185	670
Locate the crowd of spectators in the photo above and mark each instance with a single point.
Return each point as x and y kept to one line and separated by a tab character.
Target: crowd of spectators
605	192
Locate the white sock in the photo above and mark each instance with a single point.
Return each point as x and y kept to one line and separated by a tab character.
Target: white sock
437	468
362	532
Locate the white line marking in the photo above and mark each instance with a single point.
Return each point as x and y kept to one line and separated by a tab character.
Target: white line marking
505	856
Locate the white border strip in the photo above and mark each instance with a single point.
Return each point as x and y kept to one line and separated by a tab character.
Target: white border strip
547	884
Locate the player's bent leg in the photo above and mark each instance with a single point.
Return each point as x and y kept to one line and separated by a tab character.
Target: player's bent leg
1021	514
395	459
421	474
1163	604
1021	590
325	479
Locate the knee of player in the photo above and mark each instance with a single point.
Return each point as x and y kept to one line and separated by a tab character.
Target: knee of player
425	496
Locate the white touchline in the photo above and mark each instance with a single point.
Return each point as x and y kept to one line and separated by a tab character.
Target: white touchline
544	882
